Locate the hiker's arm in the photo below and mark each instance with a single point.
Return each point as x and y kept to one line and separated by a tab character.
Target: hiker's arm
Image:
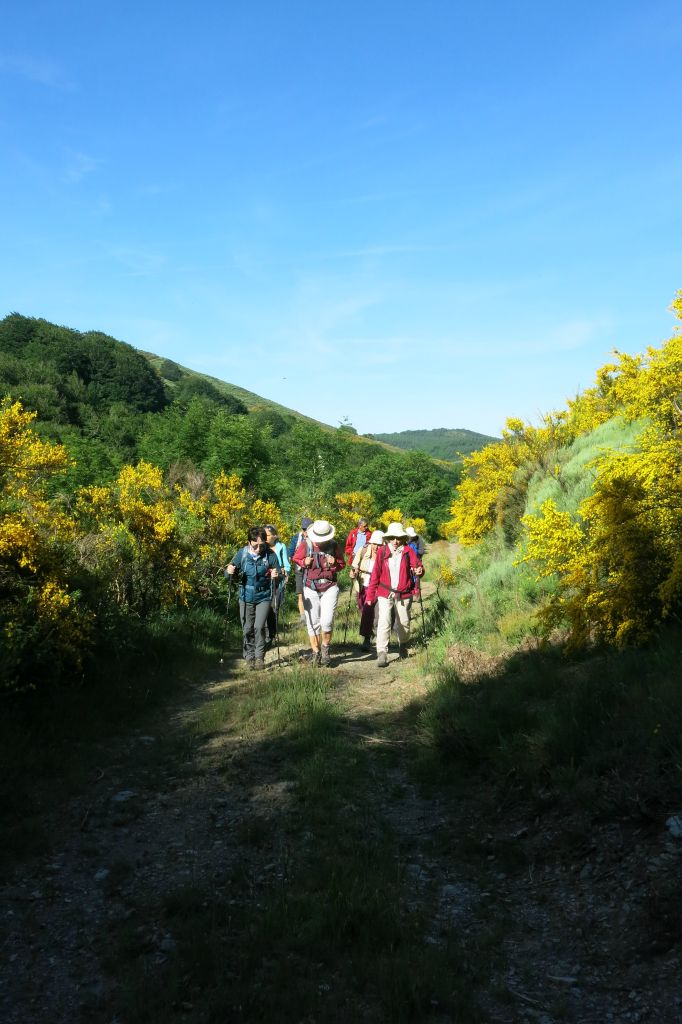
274	565
301	556
371	591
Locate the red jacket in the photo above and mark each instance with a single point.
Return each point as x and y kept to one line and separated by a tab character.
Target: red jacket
351	539
301	553
380	580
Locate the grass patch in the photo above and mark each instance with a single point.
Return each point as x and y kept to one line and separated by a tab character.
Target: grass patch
547	721
331	932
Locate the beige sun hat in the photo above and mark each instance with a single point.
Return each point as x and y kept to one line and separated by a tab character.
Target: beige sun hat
394	531
321	531
377	537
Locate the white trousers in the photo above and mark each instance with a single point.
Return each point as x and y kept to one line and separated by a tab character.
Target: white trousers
403	607
320	609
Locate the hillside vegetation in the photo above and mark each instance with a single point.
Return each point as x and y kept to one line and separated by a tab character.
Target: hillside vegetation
568	594
123	492
441	443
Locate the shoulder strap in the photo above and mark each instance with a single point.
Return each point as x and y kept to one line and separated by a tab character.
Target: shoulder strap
244	553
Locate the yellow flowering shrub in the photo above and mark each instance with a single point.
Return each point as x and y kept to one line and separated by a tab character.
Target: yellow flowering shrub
618	562
391	515
43	628
351	506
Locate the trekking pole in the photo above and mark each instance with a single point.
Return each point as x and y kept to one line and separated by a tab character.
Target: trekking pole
350	598
273	599
426	648
227	614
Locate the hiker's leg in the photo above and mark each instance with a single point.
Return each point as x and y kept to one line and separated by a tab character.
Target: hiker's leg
328	603
384	624
260	618
367	620
247	618
402	619
298	580
311	603
271	623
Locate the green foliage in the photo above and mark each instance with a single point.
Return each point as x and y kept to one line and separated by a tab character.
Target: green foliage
169	370
106	403
189	388
441	443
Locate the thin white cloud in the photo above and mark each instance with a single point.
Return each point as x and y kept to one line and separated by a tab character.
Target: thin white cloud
41	70
79	166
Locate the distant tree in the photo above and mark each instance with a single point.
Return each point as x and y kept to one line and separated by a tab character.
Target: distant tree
170	370
345	426
191	387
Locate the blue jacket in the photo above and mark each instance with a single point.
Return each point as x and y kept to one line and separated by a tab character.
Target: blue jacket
255	584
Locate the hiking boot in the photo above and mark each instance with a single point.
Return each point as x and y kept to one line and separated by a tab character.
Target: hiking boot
325	660
313	659
366	644
382	659
403	652
250	664
259	664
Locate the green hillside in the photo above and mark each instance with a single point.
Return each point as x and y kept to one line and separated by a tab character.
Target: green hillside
111	405
441	443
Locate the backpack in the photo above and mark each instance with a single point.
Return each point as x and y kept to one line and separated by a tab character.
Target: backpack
319	577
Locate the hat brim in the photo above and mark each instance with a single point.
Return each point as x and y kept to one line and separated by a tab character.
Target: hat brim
316	538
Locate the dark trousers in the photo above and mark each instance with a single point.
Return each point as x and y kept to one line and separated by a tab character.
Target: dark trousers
272	627
253	619
367	613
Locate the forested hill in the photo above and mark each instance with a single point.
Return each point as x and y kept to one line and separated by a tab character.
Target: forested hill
442	443
111	405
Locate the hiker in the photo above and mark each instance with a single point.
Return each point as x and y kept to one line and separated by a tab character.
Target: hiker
321	559
297	539
393	584
361	570
357	538
415	541
280	551
257	566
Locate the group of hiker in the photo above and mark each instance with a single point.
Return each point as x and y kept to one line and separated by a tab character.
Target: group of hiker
385	567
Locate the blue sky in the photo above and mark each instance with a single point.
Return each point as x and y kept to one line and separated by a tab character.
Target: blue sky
410	215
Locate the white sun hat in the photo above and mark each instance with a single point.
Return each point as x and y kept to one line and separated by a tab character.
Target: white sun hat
321	531
394	531
377	537
410	531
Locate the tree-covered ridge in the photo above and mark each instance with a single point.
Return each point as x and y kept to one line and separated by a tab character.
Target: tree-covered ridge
107	404
441	443
602	530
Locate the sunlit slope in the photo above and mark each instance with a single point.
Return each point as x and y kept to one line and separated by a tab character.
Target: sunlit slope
253	402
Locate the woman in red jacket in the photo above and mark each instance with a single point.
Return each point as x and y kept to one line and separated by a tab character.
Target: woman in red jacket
320	558
393	584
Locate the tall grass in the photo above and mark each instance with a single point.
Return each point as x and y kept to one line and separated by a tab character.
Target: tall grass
542	720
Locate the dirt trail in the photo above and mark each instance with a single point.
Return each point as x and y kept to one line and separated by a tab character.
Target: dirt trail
555	930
